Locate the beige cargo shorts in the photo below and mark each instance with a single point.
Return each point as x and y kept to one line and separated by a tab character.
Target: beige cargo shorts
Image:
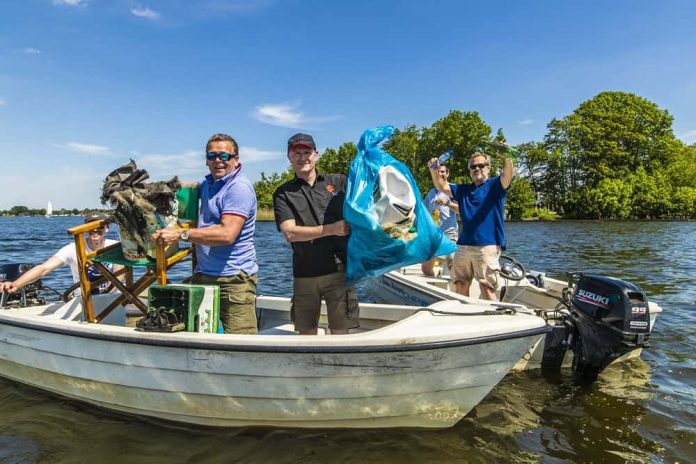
477	262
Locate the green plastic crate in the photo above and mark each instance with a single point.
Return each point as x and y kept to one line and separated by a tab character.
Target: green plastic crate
197	305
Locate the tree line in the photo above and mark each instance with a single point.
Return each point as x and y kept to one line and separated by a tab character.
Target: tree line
615	157
26	211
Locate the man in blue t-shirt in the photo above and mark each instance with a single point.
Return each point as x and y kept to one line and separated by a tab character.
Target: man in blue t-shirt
482	234
224	237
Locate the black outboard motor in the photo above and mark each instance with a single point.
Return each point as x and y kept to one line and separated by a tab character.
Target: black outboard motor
27	295
611	317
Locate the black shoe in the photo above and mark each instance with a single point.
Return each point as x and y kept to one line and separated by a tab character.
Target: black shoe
160	320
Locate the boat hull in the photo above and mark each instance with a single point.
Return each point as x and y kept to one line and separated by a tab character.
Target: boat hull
262	380
409	287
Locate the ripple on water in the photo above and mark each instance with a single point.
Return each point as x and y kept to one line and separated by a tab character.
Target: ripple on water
643	411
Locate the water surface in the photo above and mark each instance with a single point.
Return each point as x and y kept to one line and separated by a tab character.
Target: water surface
643	411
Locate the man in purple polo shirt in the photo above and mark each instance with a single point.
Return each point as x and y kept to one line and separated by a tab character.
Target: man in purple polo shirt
224	237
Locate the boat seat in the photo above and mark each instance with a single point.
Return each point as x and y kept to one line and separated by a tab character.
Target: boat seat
155	269
286	329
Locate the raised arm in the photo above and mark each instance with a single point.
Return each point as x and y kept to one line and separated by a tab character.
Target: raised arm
224	233
440	184
32	275
508	172
508	167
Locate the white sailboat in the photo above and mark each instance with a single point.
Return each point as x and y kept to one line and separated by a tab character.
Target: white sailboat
49	210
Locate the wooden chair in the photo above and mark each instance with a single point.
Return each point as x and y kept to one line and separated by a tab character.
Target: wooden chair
156	270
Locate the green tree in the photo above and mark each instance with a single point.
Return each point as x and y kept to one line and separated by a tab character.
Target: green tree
614	133
403	145
520	198
609	137
337	162
651	196
15	210
683	203
681	171
459	131
265	187
610	199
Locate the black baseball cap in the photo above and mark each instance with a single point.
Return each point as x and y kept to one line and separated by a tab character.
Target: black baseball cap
303	140
96	216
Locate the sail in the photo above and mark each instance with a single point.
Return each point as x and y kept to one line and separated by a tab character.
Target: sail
49	209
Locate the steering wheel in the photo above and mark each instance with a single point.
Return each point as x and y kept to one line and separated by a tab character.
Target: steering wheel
511	269
68	293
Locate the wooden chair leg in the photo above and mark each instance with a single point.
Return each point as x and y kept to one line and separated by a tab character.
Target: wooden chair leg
126	293
85	284
144	282
161	268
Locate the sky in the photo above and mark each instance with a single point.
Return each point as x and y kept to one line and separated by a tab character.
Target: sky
86	85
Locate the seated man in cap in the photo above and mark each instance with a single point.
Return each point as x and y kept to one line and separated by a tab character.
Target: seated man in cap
309	213
94	240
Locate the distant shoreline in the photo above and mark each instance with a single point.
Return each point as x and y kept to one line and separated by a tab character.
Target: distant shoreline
266	215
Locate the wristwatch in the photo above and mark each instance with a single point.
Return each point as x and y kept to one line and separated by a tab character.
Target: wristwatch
184	235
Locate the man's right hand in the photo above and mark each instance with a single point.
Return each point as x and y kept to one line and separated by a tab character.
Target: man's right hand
433	164
339	228
8	287
167	235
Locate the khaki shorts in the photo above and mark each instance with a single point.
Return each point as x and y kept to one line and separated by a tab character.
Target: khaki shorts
237	300
477	262
341	302
452	235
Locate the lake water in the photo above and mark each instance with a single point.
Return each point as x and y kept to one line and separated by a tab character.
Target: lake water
643	411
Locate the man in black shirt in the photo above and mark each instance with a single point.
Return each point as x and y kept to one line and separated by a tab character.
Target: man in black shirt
309	212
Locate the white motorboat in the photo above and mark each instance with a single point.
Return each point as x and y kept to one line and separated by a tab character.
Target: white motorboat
405	367
595	320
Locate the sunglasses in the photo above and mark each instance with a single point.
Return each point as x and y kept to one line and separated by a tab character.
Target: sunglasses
98	230
211	155
478	166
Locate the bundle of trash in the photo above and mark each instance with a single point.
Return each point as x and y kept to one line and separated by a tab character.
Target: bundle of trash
140	209
395	204
390	225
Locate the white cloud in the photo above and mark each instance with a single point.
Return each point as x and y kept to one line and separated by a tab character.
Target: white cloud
286	115
688	136
282	114
30	51
70	2
190	165
74	187
254	155
237	6
86	148
525	122
2	101
145	13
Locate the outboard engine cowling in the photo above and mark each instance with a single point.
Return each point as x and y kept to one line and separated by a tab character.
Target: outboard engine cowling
611	317
27	295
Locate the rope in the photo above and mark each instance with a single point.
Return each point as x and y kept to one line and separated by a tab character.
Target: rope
499	310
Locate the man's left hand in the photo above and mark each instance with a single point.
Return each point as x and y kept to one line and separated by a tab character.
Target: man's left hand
502	149
168	235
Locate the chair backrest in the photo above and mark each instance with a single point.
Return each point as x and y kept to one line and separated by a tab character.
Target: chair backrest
188	199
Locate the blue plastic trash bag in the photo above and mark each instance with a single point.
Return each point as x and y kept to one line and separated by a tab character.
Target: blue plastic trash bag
390	227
